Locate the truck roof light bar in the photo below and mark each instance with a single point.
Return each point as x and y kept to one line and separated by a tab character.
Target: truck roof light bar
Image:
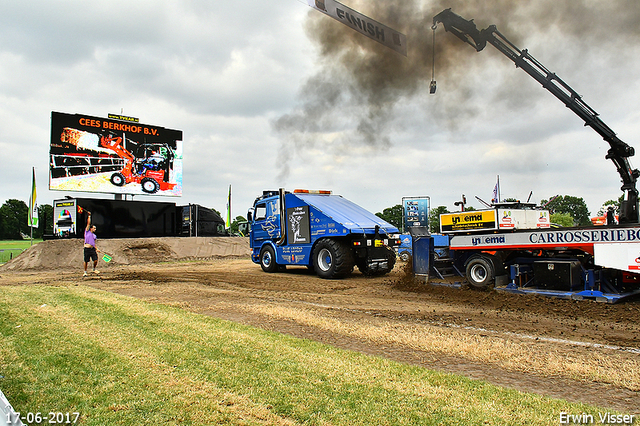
311	191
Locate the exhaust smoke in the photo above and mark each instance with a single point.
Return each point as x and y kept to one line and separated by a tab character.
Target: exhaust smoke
350	103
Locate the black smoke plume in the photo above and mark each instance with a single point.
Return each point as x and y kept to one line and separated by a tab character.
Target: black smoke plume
349	104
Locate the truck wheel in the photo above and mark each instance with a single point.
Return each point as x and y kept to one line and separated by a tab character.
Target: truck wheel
331	259
391	259
150	186
404	256
118	179
268	259
480	272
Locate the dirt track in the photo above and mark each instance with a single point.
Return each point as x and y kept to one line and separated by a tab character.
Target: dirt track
527	343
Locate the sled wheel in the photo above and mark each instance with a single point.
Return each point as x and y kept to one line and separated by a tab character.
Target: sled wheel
480	271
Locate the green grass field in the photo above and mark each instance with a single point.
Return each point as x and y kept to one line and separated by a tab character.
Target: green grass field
9	248
119	360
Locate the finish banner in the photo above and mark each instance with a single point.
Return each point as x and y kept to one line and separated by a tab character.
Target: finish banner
362	24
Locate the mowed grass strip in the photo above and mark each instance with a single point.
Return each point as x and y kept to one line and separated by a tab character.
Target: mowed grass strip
615	368
119	360
18	244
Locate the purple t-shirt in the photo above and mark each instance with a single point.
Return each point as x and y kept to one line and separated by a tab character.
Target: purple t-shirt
90	238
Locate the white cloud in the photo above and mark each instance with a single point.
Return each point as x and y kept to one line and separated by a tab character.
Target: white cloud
224	72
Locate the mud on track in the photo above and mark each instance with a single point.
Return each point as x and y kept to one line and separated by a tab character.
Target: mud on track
577	350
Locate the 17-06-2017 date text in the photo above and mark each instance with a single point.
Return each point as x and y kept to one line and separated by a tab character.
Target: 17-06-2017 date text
51	417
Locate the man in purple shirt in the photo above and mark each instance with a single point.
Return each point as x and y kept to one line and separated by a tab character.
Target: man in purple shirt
90	250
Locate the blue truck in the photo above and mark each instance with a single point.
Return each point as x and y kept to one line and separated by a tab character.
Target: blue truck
324	232
440	246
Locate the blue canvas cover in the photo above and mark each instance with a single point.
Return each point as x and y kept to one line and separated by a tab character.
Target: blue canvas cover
347	213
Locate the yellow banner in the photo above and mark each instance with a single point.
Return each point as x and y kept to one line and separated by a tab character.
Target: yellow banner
462	221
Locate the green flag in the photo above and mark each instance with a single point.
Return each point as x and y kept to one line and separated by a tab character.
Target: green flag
228	222
33	207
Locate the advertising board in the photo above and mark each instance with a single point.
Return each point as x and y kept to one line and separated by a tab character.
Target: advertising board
624	255
467	221
582	238
64	218
416	211
523	219
93	154
503	219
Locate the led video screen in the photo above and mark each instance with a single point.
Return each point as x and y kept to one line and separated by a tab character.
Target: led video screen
93	154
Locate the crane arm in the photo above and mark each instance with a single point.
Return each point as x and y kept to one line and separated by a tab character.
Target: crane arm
619	151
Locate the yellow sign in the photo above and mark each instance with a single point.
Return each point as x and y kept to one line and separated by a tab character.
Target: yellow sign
463	221
124	118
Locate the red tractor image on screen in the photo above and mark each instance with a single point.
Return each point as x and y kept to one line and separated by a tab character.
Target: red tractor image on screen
149	167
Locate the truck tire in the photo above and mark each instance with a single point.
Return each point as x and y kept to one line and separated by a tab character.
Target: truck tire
391	262
150	186
268	259
404	255
480	271
332	259
118	179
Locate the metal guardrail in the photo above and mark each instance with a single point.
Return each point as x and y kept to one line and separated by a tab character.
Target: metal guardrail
8	254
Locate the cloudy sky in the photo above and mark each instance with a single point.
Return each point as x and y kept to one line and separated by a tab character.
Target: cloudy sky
276	94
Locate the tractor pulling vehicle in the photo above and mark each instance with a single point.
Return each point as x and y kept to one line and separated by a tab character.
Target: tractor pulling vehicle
324	232
528	255
150	168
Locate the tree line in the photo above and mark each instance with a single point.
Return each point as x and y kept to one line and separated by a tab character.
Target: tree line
565	210
14	216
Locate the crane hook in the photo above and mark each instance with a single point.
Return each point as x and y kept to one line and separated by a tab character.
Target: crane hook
432	85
